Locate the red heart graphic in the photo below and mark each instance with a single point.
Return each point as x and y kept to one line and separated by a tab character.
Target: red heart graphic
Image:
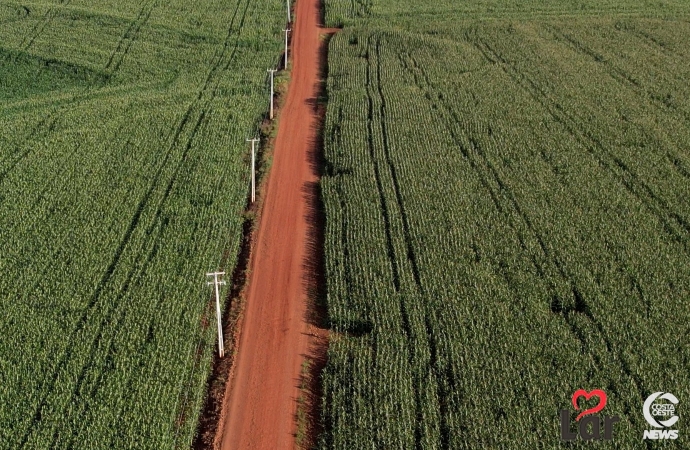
587	395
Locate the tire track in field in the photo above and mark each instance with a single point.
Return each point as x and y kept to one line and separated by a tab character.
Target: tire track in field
374	89
127	39
196	105
63	360
432	365
114	307
202	107
615	72
645	37
620	76
579	307
85	389
412	258
486	172
44	127
224	60
377	175
479	162
40	27
672	222
442	376
482	165
198	109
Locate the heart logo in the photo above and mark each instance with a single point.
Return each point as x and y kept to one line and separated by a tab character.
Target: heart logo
587	395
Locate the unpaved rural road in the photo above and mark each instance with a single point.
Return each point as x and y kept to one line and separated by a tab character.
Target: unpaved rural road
261	401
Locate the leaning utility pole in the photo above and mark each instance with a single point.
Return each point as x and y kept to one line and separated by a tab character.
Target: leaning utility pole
272	71
217	282
253	168
286	46
288	10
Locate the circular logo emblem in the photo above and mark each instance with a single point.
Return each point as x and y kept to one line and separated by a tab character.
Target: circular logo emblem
652	410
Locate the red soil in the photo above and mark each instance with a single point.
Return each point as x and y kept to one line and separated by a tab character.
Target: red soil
276	334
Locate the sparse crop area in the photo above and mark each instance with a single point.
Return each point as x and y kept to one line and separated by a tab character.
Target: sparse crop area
123	178
507	199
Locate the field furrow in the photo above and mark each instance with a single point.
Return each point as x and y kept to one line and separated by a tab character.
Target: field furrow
530	186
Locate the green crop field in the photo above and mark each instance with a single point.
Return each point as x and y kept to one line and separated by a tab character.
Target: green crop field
123	177
507	198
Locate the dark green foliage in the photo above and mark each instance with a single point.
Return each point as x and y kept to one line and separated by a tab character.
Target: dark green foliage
507	205
123	177
23	75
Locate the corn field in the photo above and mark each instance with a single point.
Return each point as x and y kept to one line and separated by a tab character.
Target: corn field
123	178
507	196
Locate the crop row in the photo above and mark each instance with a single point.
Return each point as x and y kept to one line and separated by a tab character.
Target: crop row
117	194
506	222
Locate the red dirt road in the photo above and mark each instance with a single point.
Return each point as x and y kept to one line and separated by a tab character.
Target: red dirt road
261	401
